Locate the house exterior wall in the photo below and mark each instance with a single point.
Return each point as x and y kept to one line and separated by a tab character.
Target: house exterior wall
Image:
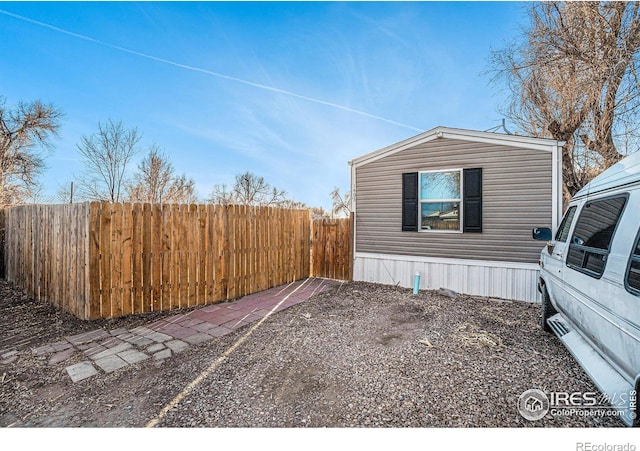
517	196
505	280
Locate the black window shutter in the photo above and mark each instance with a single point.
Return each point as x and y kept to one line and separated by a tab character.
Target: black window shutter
410	202
472	200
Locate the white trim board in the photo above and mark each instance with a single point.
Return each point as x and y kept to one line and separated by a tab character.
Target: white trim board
448	261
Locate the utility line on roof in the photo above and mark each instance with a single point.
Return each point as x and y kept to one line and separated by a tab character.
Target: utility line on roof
208	72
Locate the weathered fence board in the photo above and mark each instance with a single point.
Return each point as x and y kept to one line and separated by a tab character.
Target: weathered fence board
46	253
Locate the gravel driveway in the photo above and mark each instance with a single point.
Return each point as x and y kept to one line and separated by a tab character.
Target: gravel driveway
361	355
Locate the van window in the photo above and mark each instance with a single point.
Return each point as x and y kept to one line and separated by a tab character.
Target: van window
565	225
633	273
589	245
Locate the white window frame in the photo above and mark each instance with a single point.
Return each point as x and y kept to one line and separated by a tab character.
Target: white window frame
420	201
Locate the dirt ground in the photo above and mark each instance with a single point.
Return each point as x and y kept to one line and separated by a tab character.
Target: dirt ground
359	355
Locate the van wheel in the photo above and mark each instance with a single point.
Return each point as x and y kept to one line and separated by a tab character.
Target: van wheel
547	310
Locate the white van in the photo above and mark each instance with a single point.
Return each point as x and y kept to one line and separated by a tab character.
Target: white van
590	282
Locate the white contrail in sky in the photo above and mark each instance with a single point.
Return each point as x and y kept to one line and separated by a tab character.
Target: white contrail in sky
212	73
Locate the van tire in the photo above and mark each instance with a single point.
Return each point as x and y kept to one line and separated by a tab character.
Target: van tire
547	310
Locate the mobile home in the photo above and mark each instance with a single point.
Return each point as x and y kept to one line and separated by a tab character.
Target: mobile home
456	207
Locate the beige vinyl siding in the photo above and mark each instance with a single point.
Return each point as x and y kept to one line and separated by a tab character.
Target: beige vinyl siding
516	196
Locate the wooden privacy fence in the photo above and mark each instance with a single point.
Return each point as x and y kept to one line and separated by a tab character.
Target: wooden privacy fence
102	260
332	248
46	253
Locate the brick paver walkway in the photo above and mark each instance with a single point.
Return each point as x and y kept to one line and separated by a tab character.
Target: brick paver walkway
109	350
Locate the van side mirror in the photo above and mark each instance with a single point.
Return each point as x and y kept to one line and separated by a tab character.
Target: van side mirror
541	233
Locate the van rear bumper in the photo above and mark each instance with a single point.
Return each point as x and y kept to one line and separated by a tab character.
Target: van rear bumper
617	391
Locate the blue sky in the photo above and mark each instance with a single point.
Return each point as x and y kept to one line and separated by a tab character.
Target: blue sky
290	91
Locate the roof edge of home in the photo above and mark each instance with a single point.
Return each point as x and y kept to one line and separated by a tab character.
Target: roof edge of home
440	132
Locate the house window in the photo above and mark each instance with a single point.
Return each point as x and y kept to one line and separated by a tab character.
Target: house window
439	200
591	240
444	200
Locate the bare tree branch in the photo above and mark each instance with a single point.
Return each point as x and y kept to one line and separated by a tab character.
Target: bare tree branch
573	77
156	182
25	134
250	189
341	203
106	154
320	213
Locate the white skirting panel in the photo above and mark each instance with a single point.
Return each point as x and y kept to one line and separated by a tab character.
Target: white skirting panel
504	280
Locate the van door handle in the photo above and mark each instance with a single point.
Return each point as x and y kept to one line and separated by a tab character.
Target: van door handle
559	254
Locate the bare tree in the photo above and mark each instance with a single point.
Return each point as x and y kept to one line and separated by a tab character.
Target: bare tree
156	182
319	213
66	193
291	204
248	189
573	77
221	195
25	134
106	157
36	194
341	203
